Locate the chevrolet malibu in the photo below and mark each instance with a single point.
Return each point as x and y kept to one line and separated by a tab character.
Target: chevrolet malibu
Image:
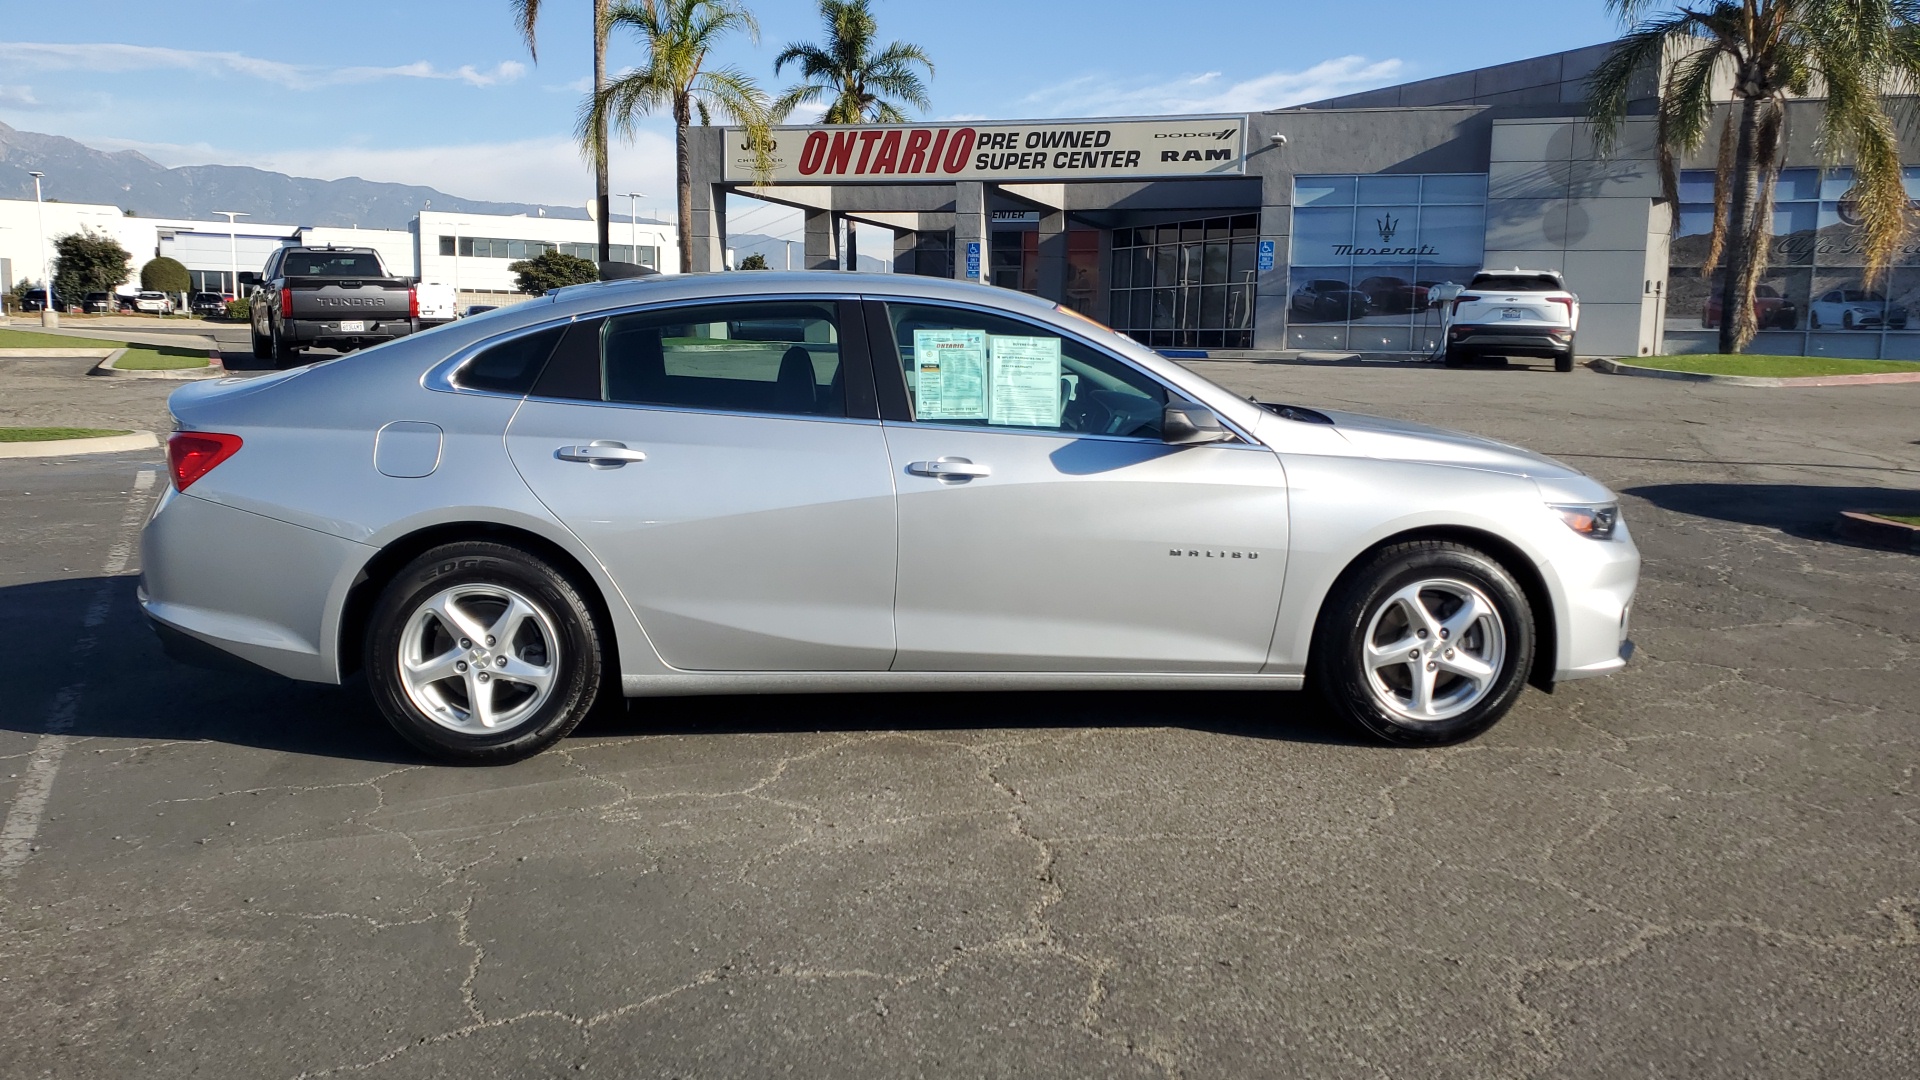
794	483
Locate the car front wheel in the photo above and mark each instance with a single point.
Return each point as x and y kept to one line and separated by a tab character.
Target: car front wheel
481	654
1427	644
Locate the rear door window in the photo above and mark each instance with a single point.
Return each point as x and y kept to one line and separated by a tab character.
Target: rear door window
779	357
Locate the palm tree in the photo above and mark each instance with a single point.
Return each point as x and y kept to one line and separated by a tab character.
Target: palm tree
525	14
1855	52
679	35
860	80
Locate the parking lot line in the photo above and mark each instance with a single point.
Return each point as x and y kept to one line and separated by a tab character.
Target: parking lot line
29	804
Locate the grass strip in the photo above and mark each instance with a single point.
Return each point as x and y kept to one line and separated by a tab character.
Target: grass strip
148	358
27	339
1904	519
56	434
1772	367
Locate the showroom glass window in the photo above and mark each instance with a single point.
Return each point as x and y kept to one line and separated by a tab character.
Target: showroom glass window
1186	284
1814	297
1368	250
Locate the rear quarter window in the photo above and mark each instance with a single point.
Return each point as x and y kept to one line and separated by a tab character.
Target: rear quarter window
512	366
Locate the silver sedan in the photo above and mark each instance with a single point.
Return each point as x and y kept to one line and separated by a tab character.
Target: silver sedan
790	483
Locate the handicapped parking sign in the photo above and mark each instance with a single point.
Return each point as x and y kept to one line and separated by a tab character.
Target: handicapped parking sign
1266	256
973	260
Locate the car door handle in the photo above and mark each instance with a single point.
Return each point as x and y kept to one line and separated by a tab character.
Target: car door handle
950	468
601	454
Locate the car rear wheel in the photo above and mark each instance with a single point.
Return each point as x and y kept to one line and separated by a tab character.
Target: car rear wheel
482	654
278	347
1564	361
262	347
1427	644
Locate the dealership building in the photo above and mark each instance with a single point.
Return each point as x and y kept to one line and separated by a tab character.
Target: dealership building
471	252
1327	226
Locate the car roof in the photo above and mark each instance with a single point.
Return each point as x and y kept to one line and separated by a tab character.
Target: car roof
740	284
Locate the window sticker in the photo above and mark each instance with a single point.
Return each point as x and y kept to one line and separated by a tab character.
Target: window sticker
950	374
1024	390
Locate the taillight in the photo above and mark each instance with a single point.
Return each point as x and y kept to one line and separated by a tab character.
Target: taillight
286	303
1565	302
413	303
1458	300
193	454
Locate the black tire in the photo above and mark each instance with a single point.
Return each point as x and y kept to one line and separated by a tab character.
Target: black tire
1564	362
277	347
1458	358
1339	670
576	659
1846	320
1813	320
262	347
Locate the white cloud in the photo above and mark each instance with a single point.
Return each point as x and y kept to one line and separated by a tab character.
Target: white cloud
543	170
18	97
1105	95
115	57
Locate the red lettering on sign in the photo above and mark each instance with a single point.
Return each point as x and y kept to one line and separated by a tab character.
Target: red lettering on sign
812	154
915	158
959	150
933	155
867	139
842	151
888	157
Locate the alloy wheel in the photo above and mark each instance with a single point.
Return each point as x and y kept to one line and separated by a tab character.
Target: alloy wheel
1434	650
479	659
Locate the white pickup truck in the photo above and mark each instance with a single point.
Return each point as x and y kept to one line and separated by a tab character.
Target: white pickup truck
1514	313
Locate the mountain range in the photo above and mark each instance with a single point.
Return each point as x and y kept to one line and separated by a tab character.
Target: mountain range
132	181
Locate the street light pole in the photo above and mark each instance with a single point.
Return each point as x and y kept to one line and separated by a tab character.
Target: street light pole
633	224
233	247
48	316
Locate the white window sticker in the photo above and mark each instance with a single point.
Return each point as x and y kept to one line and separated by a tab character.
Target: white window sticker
950	374
1025	386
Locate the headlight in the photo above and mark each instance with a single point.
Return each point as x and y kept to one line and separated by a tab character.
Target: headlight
1592	522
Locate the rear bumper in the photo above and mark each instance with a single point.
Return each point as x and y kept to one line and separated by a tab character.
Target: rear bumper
314	331
1515	340
257	589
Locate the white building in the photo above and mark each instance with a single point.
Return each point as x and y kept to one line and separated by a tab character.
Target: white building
469	251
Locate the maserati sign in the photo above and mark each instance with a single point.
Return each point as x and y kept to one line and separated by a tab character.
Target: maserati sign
1001	152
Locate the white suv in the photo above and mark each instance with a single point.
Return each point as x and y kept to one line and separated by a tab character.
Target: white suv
1514	313
153	303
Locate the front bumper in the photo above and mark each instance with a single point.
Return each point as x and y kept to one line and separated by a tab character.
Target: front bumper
1596	580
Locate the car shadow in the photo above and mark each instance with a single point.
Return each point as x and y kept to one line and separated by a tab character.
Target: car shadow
1808	511
127	688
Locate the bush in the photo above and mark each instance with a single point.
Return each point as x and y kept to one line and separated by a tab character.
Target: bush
755	261
240	310
553	269
87	262
165	275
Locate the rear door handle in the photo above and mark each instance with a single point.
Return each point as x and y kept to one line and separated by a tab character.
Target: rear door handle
601	454
950	468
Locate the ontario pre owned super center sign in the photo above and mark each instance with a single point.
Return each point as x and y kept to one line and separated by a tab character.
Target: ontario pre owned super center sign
1002	152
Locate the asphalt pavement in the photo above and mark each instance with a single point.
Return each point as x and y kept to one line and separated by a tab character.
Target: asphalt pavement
1703	867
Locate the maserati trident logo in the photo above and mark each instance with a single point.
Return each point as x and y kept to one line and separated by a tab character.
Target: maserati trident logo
1387	226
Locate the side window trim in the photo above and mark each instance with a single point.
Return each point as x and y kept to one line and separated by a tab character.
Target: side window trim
886	354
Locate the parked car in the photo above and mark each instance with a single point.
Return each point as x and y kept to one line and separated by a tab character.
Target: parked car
208	304
600	491
1509	313
1394	295
1855	309
329	297
148	302
1328	300
1771	310
481	309
436	302
97	303
36	300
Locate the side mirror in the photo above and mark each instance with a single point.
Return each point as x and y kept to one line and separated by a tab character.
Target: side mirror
1186	424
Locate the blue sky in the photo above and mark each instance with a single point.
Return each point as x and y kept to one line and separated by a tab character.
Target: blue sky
442	92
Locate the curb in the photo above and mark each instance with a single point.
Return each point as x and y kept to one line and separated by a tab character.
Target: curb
53	354
1867	529
1615	367
105	367
106	444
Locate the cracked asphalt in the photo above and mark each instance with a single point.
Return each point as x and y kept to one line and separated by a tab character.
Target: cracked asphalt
1704	867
